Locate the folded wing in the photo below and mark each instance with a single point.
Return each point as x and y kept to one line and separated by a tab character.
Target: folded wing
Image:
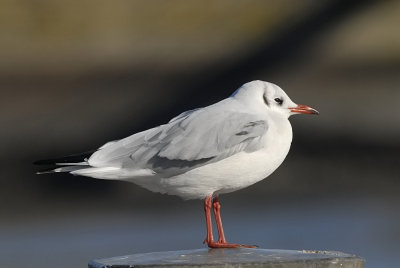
188	141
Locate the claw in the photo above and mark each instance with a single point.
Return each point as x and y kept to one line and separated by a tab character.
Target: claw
248	246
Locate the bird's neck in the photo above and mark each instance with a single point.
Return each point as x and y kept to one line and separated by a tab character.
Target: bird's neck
280	125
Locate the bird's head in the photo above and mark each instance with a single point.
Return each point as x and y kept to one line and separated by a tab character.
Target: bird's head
263	96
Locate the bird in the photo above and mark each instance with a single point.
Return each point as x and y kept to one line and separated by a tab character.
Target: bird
201	153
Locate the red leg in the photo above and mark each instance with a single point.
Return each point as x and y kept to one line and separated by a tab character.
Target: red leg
210	240
207	207
217	214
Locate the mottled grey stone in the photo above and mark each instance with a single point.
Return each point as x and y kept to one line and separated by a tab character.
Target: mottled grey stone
242	257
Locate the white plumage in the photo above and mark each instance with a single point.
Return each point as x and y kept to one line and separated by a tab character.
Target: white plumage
204	152
216	149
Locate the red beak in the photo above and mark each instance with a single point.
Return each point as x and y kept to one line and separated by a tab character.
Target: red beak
303	109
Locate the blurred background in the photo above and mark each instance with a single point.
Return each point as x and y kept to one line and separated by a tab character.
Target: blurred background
74	75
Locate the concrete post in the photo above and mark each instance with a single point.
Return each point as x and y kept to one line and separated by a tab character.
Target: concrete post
227	258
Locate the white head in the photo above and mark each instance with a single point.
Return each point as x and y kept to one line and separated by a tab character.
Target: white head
267	96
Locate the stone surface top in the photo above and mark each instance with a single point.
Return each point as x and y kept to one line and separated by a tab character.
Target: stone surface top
241	257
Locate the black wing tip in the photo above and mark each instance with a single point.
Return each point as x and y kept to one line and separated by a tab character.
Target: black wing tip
66	159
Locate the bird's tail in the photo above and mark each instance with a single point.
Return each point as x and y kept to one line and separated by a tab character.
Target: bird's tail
65	164
69	167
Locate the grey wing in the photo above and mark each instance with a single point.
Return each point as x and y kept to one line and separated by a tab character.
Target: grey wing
186	142
207	135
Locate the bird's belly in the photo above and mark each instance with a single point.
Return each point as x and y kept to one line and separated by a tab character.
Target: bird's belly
228	175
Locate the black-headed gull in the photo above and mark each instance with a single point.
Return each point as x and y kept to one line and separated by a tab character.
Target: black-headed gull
202	153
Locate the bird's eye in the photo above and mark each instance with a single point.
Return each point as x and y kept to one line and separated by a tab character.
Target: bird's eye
279	101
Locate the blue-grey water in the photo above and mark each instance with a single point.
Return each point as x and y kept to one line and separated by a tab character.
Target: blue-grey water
366	227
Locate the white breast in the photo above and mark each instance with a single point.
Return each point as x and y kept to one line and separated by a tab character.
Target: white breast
235	172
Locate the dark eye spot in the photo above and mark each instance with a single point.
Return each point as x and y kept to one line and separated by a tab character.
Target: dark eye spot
278	100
